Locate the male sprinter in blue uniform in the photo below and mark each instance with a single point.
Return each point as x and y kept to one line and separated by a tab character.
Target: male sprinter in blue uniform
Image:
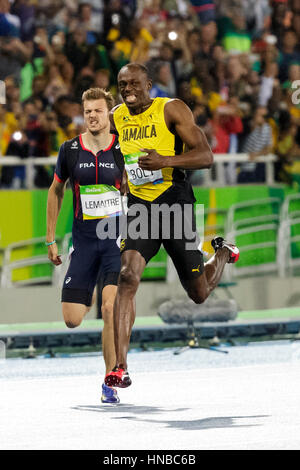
94	165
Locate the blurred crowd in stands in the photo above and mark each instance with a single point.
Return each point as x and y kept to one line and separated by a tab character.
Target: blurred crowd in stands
236	63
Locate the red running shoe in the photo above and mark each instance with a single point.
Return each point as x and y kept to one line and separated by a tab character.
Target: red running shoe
118	378
219	242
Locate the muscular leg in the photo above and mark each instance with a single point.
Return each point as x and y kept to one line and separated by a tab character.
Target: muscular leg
108	343
132	267
199	289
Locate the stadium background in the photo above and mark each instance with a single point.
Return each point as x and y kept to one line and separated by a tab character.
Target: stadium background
232	61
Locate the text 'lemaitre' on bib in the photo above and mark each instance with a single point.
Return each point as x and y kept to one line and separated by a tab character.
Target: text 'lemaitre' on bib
99	201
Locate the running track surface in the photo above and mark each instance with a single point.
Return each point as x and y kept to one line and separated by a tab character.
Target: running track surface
245	399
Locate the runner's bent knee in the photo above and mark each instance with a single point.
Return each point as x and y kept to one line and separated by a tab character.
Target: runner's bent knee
73	314
72	322
129	277
197	289
198	297
107	309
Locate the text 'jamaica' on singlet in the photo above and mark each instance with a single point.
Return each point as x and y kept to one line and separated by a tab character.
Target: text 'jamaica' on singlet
149	130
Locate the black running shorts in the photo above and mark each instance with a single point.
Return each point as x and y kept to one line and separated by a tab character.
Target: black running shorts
90	259
175	229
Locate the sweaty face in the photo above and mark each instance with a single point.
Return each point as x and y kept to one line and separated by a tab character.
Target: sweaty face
96	115
134	87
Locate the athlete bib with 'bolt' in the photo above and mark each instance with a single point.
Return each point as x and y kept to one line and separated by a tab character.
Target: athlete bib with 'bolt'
136	175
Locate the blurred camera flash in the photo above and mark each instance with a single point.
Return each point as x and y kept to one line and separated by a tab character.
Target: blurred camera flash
56	40
17	135
115	19
173	35
271	39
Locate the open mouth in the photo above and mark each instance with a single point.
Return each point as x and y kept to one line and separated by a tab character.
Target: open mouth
130	99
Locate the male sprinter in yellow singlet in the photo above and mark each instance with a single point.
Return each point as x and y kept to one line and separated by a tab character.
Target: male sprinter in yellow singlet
152	133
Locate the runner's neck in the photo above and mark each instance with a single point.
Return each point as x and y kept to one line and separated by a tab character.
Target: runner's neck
141	108
95	143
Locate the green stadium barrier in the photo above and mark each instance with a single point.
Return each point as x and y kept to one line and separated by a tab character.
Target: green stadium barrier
23	216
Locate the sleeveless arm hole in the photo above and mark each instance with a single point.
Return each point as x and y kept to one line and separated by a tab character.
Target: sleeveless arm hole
113	129
119	159
72	154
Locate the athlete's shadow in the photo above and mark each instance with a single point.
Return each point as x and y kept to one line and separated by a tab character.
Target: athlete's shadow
125	408
206	423
184	425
